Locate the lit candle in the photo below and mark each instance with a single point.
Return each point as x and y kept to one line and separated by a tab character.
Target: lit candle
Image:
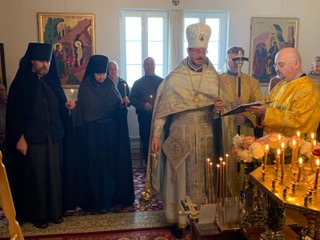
312	137
125	89
151	99
299	171
72	95
208	177
225	180
298	139
317	175
313	144
294	153
211	183
227	165
278	159
282	160
220	179
266	156
217	182
279	140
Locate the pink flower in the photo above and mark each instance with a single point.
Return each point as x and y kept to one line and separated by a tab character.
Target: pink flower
247	141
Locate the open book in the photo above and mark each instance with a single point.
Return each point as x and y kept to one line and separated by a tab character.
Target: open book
241	108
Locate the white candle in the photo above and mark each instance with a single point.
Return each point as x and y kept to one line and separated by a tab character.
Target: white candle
125	89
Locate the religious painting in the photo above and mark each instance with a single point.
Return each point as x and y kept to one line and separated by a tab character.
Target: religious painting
73	38
2	66
268	36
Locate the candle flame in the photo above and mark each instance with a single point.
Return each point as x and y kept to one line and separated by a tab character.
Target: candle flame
279	137
312	136
218	165
278	151
294	143
318	162
71	90
267	147
208	159
300	161
282	145
151	96
298	133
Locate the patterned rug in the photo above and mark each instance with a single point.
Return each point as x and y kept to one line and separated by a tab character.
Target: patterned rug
78	221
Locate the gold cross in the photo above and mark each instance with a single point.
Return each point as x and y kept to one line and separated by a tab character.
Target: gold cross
196	99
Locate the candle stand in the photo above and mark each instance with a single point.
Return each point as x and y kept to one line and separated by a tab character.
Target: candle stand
288	192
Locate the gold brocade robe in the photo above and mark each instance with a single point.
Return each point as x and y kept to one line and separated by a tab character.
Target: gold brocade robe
180	171
250	92
296	107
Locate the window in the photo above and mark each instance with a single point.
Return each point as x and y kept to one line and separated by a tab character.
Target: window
145	33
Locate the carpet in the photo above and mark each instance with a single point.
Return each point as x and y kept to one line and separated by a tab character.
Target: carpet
138	234
139	177
77	221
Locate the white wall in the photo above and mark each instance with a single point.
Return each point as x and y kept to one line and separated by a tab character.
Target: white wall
18	22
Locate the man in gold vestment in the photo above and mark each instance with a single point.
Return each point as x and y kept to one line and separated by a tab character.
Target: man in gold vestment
296	99
245	122
187	99
250	92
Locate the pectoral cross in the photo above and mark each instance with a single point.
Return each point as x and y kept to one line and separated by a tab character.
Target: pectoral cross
196	99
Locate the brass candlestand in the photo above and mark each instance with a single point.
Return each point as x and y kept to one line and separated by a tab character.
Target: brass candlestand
290	193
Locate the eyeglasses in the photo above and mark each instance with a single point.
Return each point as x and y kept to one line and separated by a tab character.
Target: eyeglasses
280	65
198	51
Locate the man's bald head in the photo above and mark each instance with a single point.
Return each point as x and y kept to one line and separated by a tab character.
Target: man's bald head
288	64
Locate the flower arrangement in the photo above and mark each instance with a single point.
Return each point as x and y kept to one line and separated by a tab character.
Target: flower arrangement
248	149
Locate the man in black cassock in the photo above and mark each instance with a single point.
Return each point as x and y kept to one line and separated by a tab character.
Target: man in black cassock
37	110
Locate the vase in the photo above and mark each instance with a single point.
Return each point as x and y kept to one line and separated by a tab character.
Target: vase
276	219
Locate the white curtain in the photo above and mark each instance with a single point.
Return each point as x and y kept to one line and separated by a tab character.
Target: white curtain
175	39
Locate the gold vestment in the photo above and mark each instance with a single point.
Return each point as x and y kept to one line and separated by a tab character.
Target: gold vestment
296	107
